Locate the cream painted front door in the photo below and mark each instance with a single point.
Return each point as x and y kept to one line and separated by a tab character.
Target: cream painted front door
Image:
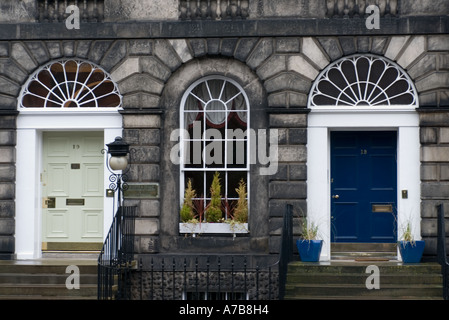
72	190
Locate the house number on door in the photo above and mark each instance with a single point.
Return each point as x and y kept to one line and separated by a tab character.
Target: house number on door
363	151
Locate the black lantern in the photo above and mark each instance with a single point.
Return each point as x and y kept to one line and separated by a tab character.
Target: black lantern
119	151
118	161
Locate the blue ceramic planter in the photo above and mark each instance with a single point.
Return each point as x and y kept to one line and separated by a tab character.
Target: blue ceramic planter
309	250
411	253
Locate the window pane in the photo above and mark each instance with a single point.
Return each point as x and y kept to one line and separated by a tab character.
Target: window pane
234	178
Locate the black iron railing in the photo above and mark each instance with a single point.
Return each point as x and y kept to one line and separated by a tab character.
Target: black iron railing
116	257
214	277
204	277
441	251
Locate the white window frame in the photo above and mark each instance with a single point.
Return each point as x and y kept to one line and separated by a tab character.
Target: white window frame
213	228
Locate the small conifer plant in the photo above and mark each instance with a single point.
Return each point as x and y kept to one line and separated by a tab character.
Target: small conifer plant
214	212
187	210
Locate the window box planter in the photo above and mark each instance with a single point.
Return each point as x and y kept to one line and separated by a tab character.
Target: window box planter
205	228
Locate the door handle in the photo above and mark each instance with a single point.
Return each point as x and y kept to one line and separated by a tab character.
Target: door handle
335	196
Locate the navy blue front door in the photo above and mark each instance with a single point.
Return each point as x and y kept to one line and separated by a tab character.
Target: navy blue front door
363	186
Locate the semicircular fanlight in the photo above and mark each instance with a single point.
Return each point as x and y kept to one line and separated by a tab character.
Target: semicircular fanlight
363	80
70	84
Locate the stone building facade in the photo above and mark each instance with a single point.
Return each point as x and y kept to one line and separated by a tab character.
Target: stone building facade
276	53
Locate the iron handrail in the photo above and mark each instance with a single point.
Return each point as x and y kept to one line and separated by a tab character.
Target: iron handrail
117	255
441	251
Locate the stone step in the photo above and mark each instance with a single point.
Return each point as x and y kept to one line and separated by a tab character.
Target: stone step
47	290
46	279
348	280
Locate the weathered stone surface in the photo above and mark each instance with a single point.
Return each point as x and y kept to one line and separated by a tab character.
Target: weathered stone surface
297	172
348	45
141	100
272	66
297	136
140	47
433	81
287	8
288	120
121	10
55	51
434	154
127	68
261	52
18	11
98	50
395	46
428	135
435	190
164	51
21	55
292	153
7	244
182	49
9	87
7	138
331	46
288	81
141	121
300	65
429	172
7	209
38	51
287	190
288	45
244	47
438	43
311	50
378	45
7	173
7	191
147	226
153	67
116	53
425	65
444	135
141	82
199	47
7	154
413	8
150	208
434	119
7	226
415	48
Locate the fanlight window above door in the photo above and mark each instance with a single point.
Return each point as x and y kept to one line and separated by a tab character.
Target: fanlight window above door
70	84
363	81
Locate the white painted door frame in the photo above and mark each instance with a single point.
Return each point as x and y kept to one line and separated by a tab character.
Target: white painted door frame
322	121
30	125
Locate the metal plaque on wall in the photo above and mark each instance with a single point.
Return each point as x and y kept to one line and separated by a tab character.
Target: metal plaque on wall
141	191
